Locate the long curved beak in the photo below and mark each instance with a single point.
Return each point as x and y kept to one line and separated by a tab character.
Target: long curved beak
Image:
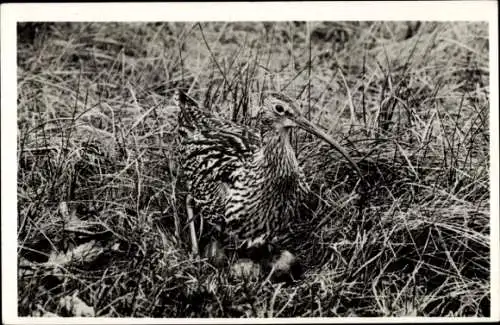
303	123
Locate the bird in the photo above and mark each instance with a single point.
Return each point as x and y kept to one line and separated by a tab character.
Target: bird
245	180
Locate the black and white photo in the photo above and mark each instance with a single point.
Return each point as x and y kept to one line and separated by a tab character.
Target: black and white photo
252	168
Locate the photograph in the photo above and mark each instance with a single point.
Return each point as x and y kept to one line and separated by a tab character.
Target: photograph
283	168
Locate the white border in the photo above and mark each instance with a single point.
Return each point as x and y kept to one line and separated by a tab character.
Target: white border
226	11
245	11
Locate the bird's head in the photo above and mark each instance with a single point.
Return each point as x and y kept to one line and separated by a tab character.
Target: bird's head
280	113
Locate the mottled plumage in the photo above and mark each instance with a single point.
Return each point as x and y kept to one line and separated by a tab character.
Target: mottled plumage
248	177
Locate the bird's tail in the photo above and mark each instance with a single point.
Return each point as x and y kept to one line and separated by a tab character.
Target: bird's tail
190	114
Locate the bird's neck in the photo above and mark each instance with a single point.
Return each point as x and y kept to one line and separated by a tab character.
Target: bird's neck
277	157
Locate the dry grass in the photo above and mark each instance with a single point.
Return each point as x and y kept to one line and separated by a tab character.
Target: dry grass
96	162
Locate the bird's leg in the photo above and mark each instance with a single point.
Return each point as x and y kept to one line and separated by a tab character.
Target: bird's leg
200	230
192	230
215	252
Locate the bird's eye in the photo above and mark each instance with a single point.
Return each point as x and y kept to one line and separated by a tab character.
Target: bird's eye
279	108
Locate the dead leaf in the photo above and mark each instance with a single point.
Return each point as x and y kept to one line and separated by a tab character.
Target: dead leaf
84	253
76	307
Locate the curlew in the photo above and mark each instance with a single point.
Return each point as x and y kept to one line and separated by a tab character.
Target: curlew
246	181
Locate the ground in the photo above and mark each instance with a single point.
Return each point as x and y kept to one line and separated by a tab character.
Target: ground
99	219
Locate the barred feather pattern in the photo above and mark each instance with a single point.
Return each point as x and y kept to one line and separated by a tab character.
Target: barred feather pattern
263	204
251	178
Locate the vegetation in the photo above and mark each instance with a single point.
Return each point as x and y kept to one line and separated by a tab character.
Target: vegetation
98	216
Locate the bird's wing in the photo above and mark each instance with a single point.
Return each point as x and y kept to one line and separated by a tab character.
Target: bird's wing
212	161
214	151
193	117
196	122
